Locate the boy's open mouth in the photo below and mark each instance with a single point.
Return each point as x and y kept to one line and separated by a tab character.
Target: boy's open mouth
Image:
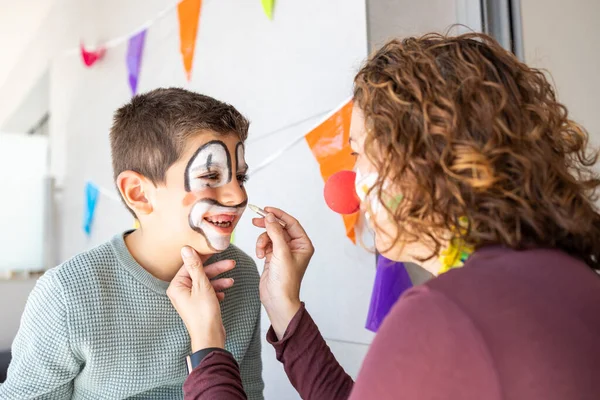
222	220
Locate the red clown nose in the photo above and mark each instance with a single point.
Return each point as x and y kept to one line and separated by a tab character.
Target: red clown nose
340	193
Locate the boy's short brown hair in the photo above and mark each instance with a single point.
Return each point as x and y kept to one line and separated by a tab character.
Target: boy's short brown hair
149	133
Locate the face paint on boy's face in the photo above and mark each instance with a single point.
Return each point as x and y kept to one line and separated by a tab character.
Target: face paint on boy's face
215	221
211	168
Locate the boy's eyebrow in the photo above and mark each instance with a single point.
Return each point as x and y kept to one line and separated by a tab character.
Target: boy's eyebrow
206	166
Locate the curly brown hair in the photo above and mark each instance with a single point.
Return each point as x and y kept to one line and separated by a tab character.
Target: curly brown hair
463	129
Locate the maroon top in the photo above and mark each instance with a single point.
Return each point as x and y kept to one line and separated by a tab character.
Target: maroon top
509	325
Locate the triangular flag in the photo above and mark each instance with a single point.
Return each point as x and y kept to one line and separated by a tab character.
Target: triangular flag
91	199
90	57
135	49
329	143
391	280
189	16
268	6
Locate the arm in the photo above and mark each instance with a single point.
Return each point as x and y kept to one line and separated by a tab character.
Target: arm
43	365
308	362
427	348
217	377
251	366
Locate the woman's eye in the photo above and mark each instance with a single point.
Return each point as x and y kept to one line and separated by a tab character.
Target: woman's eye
354	154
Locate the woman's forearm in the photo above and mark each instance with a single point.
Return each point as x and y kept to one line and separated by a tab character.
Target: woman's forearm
217	377
308	362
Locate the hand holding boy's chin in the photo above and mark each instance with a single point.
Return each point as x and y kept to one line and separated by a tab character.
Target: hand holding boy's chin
195	292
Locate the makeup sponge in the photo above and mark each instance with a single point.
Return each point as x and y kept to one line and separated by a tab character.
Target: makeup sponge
340	193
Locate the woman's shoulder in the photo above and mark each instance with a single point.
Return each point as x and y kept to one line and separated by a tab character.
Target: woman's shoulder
428	338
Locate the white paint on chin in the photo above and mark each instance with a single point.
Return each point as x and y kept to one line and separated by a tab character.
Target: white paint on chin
215	239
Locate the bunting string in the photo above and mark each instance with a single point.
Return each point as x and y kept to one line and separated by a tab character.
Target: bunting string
110	194
114	42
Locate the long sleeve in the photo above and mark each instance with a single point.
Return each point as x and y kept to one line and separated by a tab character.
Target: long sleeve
308	362
43	365
251	366
216	378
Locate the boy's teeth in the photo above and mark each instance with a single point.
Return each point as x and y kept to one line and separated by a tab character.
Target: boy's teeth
224	224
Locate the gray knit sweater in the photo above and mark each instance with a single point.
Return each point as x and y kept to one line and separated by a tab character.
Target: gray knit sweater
101	327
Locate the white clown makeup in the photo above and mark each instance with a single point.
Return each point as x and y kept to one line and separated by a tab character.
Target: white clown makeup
363	185
209	169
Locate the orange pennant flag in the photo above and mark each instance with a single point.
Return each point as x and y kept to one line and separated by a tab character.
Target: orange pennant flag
189	16
329	143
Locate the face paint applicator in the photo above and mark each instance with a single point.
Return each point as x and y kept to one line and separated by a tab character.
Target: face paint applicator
263	213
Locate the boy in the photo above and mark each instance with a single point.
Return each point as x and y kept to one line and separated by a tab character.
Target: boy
101	326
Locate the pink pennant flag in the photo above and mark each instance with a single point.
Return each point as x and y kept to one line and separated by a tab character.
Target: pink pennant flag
90	57
135	49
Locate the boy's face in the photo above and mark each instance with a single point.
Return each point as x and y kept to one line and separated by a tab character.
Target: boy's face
204	195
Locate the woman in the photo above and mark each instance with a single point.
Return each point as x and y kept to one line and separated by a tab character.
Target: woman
468	158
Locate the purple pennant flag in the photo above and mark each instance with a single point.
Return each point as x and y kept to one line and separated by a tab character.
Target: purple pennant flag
135	49
391	280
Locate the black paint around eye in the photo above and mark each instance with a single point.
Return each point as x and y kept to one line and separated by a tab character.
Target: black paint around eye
237	158
208	162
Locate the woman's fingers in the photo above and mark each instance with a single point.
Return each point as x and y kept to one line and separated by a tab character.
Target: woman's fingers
262	242
218	268
293	227
221	284
276	234
193	264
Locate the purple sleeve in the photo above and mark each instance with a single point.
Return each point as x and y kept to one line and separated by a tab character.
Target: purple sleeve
308	362
427	348
217	377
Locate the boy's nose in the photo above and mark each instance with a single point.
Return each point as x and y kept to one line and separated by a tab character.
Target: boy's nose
232	194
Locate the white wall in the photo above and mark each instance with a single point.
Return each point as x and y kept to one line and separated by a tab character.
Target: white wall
400	18
19	23
564	38
13	295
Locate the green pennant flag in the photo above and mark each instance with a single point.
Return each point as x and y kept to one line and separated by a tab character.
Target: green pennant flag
268	6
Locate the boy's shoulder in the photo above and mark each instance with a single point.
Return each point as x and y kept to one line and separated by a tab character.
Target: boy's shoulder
87	266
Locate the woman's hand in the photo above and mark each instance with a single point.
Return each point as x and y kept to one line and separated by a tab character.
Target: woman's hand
196	299
287	252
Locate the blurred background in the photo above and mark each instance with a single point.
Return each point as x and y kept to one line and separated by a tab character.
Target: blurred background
286	69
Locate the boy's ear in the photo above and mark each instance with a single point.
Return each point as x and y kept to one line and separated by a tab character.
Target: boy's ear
133	188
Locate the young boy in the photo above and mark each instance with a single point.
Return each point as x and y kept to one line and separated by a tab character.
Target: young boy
101	326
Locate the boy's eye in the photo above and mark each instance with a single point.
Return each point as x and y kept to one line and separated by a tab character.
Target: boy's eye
354	154
209	177
242	178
